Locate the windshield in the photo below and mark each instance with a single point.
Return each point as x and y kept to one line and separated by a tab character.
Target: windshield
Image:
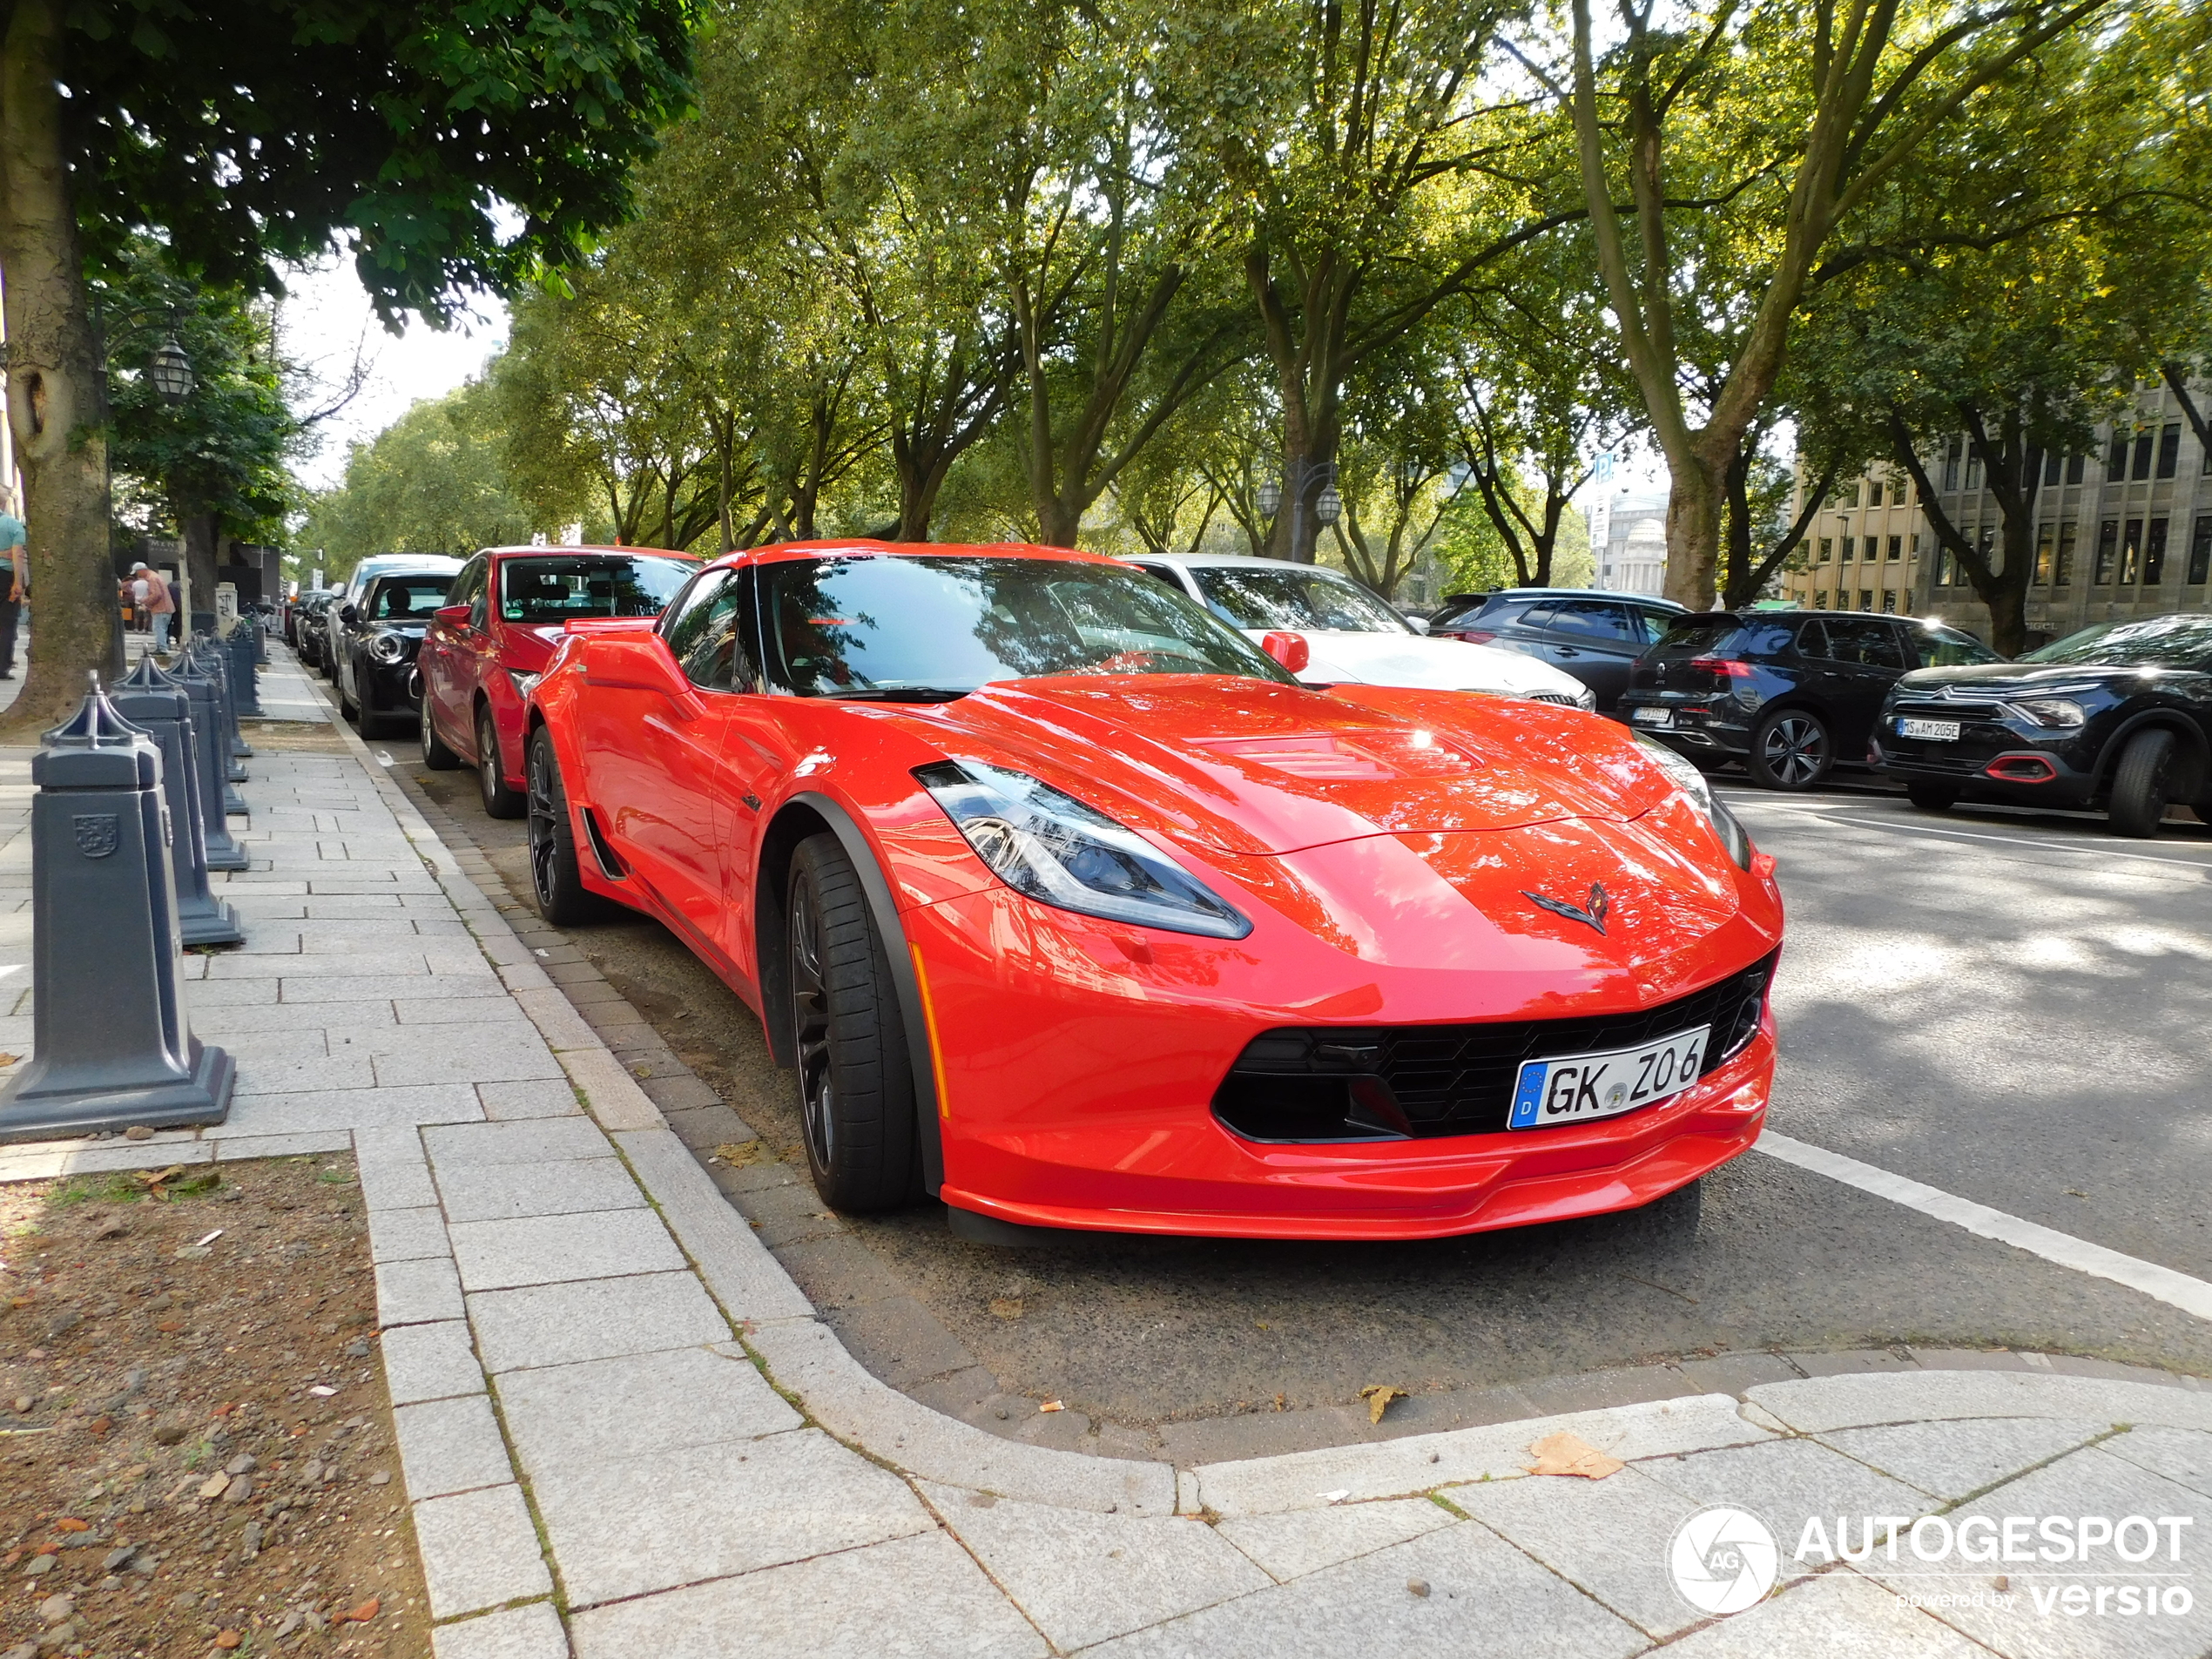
553	590
2175	642
862	625
1942	647
410	598
1292	597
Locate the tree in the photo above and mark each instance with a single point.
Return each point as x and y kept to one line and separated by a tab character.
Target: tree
1771	126
244	132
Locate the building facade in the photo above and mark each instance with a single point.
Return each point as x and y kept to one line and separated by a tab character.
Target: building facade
1628	542
2123	530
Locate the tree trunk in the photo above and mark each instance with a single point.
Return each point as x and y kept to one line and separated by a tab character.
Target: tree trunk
55	403
1693	529
200	562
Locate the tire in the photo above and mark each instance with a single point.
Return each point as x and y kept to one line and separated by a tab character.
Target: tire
856	1093
499	801
1931	796
435	755
1790	749
2142	783
556	886
347	707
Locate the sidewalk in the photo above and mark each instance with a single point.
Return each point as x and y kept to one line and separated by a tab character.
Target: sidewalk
624	1433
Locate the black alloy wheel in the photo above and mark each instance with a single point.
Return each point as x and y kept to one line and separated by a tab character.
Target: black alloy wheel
1790	749
346	705
556	885
435	755
2142	783
856	1094
1930	796
499	801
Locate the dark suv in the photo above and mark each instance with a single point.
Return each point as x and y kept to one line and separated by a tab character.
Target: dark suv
1593	636
2118	715
1789	694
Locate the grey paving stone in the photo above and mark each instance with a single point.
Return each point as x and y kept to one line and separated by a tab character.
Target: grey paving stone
2092	1483
382	965
1952	1460
678	1094
642	1524
543	1250
551	1187
479	1550
395	1184
406	1235
498	1054
686	1397
1837	1615
306	1142
377	989
517	1142
1306	1541
1609	1536
431	1361
356	1109
458	1010
553	1098
1785	1482
1083	1576
832	1606
230	993
448	1446
1485	1598
320	1075
559	1324
530	1632
2181	1455
416	1292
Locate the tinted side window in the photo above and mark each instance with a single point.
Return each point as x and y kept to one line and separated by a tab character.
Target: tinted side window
1161	573
1534	616
686	620
727	656
1942	647
1592	619
1812	640
1870	644
469	586
1651	625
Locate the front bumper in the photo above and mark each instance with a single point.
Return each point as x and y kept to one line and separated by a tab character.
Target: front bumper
390	687
1993	759
1080	1063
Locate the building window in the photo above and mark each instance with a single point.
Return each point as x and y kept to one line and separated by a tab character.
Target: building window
2053	462
1888	601
1896	549
1866	598
1874	492
1905	601
1827	548
2044	537
2107	550
1951	465
2116	460
1973	471
2062	572
2155	553
2200	550
1916	545
2131	553
1849	543
2169	449
2075	466
2146	442
1820	599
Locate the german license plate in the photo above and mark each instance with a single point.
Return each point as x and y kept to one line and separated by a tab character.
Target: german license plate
1651	717
1576	1088
1929	731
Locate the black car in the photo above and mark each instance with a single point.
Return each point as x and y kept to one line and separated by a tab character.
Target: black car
1789	694
311	633
374	640
1593	636
2118	716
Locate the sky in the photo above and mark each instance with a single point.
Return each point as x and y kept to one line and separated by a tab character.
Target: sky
326	320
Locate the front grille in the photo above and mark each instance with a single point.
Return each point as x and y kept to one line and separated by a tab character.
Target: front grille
1559	698
1318	1084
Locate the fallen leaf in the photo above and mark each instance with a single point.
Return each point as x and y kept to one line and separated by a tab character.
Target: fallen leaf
1379	1397
225	1408
171	1326
1565	1453
738	1154
70	1523
151	1178
364	1613
227	1639
9	1059
1052	1406
138	1132
101	1425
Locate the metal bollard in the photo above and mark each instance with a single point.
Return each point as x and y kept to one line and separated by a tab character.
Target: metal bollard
152	701
222	852
245	693
218	666
113	1046
206	658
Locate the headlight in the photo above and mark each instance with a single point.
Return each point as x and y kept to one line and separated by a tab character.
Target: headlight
387	647
523	682
1053	848
1694	784
2056	711
1585	699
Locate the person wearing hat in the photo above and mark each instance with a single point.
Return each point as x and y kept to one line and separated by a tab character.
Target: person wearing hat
15	581
158	603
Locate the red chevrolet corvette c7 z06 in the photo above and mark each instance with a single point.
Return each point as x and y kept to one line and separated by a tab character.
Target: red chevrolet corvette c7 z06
1069	905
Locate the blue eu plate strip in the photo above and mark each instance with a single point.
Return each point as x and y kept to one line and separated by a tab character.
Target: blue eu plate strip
1528	1095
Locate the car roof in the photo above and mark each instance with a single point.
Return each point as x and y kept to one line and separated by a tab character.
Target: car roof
573	549
779	552
1571	593
1229	561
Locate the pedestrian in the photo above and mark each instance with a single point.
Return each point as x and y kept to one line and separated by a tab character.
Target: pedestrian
13	535
159	604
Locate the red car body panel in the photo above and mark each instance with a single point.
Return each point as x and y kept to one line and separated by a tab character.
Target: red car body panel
1381	841
466	664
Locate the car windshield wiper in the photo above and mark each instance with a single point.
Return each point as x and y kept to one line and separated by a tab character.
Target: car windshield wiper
898	693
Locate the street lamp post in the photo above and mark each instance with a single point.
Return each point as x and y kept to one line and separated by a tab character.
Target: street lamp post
1304	474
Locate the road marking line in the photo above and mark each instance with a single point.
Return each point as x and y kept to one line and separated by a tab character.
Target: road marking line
2162	1284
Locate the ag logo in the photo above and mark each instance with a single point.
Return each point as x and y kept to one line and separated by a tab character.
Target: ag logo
97	834
1724	1560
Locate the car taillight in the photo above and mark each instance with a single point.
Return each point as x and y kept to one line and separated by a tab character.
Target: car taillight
1471	635
1727	668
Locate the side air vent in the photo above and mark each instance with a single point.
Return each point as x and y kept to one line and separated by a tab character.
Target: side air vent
609	866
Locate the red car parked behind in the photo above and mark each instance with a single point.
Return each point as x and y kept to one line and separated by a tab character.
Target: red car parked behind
485	648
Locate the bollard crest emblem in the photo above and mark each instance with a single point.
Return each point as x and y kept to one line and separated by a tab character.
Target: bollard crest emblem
97	834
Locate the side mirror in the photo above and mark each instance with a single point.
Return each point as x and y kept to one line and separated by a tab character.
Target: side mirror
348	615
452	616
638	662
1419	625
1290	650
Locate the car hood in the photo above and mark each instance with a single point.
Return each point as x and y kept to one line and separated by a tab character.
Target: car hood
1247	767
2011	679
1433	665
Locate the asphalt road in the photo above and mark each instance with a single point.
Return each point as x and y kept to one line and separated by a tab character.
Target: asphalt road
2010	1007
